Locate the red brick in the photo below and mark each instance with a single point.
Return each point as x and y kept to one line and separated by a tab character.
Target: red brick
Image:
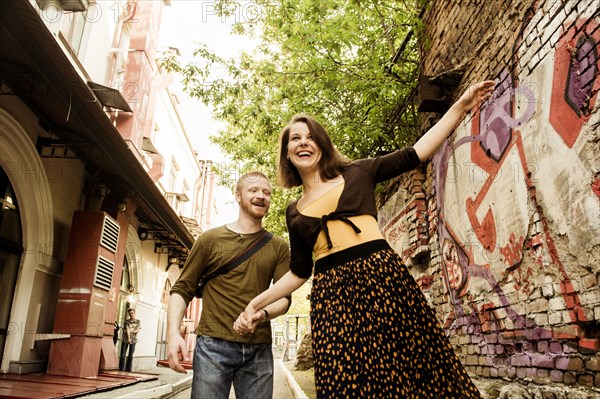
572	364
543	346
592	344
593	364
503	372
542	375
570	379
520	361
556	376
542	361
586	380
556	347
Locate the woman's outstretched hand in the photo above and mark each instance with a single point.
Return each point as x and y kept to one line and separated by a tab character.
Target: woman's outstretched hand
472	98
475	95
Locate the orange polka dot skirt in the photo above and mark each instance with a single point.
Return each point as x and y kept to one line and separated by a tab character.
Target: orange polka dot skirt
374	335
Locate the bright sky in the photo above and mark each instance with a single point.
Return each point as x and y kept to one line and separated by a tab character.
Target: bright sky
185	23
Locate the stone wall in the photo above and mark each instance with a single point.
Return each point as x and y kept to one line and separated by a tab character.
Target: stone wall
502	228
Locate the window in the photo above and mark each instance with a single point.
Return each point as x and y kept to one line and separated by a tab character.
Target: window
173	177
164	298
125	279
10	220
74	28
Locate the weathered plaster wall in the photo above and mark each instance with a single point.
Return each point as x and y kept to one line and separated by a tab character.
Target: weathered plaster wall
502	229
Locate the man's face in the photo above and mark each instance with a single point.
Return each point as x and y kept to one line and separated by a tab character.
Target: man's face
131	313
254	196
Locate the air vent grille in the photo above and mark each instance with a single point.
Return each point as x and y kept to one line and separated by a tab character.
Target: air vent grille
104	273
110	234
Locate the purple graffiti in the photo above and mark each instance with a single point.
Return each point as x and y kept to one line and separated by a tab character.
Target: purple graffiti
527	328
496	120
582	74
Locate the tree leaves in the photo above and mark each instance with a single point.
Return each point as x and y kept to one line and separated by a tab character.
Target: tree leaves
330	59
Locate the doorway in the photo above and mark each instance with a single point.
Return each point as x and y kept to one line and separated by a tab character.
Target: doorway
11	248
123	302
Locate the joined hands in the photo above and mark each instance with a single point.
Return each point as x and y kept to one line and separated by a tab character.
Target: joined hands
248	320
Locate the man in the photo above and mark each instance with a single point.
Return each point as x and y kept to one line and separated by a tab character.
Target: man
223	356
130	330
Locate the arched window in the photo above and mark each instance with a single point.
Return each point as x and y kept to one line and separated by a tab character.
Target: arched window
125	279
164	298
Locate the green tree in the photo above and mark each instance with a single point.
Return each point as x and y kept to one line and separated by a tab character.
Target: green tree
336	60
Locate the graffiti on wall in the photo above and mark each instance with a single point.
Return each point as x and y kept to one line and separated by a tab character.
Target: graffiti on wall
522	156
517	192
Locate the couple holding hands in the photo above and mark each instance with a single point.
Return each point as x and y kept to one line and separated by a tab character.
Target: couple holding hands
374	334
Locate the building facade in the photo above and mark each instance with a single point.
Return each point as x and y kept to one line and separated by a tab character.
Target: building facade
102	190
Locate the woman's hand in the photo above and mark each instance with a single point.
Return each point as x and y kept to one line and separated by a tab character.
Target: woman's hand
475	95
253	314
248	320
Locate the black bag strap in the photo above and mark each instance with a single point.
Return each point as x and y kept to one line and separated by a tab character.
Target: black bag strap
235	262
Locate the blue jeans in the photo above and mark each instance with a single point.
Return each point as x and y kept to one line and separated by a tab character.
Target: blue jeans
219	363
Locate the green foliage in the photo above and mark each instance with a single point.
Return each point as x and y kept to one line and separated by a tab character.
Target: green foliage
301	300
331	59
275	220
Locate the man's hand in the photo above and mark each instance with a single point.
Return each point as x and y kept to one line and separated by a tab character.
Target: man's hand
246	323
176	350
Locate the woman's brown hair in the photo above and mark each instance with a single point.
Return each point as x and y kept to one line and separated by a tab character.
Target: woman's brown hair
331	164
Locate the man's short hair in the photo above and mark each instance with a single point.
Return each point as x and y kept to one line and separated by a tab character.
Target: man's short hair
250	177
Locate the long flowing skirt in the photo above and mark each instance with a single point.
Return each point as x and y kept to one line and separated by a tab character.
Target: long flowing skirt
374	335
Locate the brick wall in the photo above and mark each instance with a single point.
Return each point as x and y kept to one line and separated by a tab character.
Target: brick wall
502	228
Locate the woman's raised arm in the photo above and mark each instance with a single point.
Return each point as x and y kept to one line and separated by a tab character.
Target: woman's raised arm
473	97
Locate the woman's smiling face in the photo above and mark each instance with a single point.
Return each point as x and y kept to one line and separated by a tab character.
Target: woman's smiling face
302	150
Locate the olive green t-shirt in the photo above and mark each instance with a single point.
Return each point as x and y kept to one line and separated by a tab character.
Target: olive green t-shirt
227	295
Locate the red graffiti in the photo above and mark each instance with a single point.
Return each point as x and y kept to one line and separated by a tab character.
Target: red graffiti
486	229
521	278
596	187
575	85
454	271
513	251
395	232
425	282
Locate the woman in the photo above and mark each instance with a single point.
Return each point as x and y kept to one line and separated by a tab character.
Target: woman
373	333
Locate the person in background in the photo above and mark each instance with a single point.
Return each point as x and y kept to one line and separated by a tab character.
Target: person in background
222	356
131	328
374	335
